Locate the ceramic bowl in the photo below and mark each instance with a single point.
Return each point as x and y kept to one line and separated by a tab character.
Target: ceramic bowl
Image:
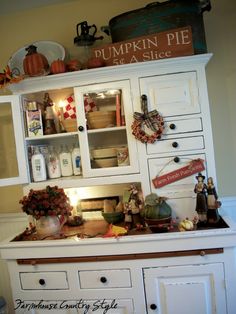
113	217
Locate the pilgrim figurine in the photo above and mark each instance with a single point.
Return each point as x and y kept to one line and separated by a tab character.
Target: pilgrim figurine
201	201
212	202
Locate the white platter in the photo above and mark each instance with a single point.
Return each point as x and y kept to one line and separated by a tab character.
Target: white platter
50	49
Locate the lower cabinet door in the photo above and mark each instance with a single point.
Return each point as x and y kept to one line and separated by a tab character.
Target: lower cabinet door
195	289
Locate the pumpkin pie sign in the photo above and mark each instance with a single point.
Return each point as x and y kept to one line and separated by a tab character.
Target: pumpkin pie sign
168	44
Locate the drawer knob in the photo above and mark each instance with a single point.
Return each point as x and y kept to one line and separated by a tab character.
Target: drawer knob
81	128
172	126
176	159
202	253
175	144
41	282
103	279
153	306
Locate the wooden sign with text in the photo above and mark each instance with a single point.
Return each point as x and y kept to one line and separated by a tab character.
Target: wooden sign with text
194	166
172	43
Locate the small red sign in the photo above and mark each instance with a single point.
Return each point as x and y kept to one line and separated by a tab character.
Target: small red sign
195	166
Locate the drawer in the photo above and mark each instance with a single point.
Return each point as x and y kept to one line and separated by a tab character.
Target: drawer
95	279
44	280
173	94
182	126
176	145
181	188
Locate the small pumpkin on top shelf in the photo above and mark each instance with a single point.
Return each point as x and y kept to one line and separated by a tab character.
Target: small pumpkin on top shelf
35	63
73	65
57	66
94	62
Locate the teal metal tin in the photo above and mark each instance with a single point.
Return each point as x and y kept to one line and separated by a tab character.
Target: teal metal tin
158	17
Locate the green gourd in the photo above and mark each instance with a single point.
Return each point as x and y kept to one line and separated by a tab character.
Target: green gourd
155	207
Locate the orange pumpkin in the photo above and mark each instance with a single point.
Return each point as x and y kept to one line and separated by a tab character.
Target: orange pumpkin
73	65
35	63
58	66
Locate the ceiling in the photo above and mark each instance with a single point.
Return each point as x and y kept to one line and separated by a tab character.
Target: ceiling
14	6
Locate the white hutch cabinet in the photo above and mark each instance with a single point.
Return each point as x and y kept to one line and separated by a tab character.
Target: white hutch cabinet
181	273
175	87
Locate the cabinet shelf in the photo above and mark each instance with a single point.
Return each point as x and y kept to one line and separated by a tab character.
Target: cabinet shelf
52	136
79	181
104	130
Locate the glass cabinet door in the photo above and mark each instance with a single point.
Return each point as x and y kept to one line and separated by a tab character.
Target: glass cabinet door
104	120
12	155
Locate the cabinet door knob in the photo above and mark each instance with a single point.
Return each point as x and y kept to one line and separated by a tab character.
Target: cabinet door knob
42	282
153	306
176	159
172	126
175	144
81	128
103	279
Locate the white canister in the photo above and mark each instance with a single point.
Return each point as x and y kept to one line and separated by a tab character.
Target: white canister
65	162
122	156
38	166
53	164
76	160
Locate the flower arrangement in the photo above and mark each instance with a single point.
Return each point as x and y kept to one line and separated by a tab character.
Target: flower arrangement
51	201
7	77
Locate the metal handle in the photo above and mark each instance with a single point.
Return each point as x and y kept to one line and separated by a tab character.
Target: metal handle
153	4
153	306
103	279
42	282
175	144
176	159
172	126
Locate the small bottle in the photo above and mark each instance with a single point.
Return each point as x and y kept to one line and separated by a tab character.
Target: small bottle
76	160
65	162
53	164
50	127
38	166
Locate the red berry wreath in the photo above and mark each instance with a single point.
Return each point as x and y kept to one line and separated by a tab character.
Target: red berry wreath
153	120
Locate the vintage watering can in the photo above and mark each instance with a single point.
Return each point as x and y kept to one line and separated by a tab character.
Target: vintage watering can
86	34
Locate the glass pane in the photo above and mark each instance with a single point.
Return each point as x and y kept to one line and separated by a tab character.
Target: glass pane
8	159
107	135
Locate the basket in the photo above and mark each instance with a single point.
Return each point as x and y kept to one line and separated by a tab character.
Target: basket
69	125
101	119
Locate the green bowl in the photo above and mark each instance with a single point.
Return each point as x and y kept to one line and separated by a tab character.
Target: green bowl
113	218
